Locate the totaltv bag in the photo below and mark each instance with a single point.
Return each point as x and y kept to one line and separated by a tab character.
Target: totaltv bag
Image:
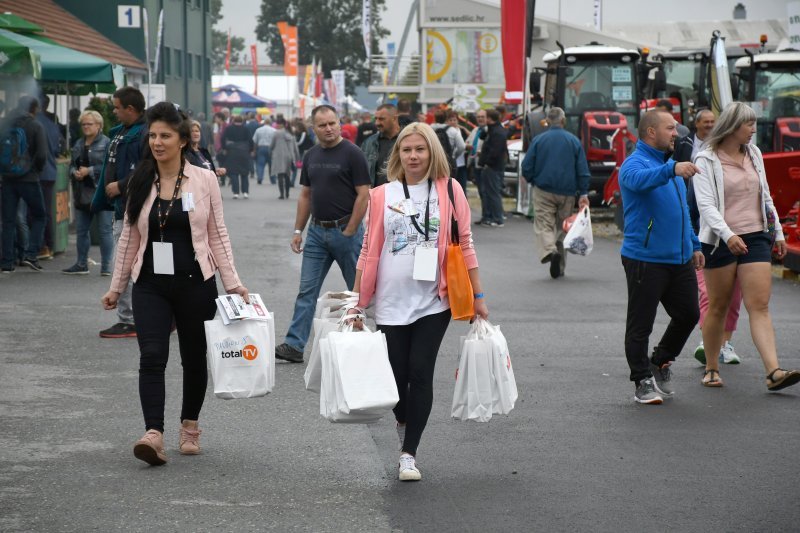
241	357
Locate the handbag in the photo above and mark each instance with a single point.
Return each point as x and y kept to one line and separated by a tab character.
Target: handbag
82	190
459	287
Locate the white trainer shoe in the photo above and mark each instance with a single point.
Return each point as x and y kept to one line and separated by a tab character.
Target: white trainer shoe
408	471
727	355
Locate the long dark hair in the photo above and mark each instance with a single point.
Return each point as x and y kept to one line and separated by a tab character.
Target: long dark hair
141	181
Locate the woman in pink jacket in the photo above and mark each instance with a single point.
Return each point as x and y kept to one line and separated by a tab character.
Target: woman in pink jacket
402	268
173	240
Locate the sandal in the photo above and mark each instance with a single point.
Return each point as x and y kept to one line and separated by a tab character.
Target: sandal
790	377
711	378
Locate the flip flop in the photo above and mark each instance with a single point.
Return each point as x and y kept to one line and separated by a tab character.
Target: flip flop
713	381
790	377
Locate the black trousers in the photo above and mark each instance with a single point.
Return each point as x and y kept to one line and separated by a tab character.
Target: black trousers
157	299
284	183
675	287
412	354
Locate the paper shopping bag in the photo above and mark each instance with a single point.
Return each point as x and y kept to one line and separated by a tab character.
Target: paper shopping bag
241	357
365	375
473	395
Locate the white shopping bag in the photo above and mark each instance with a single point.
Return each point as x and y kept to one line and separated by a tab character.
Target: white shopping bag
357	383
579	239
332	303
473	395
313	373
505	393
241	357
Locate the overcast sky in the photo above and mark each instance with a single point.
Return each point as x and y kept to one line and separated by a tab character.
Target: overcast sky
241	15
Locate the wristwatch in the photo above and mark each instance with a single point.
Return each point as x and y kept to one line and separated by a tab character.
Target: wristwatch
298	232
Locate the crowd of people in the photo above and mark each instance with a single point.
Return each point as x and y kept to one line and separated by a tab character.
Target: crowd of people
376	197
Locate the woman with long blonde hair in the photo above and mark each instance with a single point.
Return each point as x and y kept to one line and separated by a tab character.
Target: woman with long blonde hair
738	230
402	268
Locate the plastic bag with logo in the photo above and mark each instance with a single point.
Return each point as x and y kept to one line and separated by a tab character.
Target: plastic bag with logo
579	239
357	384
504	392
241	357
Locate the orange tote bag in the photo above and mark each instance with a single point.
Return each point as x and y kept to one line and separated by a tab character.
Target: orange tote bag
459	287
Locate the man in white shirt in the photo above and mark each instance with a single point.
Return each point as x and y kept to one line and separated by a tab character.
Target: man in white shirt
262	139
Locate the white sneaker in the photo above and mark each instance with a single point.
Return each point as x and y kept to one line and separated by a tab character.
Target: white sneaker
235	196
408	471
246	196
727	355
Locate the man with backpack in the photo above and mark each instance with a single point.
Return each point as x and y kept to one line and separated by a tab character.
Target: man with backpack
450	139
23	155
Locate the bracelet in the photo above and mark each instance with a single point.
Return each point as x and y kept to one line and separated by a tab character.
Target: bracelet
298	232
479	296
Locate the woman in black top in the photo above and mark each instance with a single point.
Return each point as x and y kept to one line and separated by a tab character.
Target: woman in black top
304	142
198	156
237	146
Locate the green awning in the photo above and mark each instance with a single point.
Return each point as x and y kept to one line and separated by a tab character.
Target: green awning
9	21
61	64
18	60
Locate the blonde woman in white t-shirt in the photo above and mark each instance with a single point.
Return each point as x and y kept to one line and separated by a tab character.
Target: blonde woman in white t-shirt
408	225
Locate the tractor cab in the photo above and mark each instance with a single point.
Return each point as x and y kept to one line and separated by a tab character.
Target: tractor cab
598	88
771	84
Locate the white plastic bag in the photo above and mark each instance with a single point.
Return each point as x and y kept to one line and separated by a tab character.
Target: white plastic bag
313	373
485	383
579	239
241	357
331	304
357	383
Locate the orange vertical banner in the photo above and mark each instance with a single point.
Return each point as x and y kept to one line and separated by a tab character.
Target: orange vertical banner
254	56
290	47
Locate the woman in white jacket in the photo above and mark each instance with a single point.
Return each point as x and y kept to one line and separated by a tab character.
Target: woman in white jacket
738	230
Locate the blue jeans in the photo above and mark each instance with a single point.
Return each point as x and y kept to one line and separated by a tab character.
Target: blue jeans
237	180
322	248
105	222
31	194
493	194
263	159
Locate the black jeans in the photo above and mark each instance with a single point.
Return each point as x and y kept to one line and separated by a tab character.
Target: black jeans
675	287
412	354
283	184
156	300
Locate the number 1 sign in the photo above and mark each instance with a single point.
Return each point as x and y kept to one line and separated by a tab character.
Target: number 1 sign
129	16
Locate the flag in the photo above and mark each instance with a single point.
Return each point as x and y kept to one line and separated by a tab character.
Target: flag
254	56
366	25
228	54
512	20
307	80
159	40
338	83
318	78
290	53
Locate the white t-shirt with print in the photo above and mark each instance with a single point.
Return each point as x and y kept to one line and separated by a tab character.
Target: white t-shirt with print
399	298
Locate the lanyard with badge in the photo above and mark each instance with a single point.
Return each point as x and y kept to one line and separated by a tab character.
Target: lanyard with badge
426	254
162	251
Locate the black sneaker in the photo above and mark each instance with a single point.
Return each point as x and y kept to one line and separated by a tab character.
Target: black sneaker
33	263
287	353
76	269
7	270
119	330
555	265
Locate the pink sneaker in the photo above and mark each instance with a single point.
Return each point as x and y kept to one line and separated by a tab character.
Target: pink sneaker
189	441
150	448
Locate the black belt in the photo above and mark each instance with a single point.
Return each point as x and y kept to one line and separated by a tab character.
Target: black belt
328	224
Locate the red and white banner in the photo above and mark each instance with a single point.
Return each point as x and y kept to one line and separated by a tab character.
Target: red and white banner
512	13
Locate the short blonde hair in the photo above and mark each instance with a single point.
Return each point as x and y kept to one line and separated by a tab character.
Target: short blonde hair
194	123
438	166
96	117
733	116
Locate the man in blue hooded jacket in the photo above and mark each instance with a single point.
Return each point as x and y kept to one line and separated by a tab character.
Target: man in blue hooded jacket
659	253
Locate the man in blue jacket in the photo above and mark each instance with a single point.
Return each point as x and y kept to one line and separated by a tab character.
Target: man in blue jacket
556	167
659	253
124	151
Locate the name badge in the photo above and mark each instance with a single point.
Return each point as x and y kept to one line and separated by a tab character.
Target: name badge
162	258
187	200
426	259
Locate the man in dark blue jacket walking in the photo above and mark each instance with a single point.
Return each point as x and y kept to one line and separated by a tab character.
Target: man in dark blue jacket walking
556	167
659	253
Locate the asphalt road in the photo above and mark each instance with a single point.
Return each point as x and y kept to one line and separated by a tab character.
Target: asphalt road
575	455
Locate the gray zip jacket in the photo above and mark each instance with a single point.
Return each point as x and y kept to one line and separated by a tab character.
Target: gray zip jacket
709	190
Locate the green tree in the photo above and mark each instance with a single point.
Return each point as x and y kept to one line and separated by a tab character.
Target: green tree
219	41
330	31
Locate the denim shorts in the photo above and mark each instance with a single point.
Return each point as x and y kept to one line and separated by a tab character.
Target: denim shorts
759	250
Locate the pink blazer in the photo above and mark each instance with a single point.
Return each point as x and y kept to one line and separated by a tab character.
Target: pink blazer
374	237
212	246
